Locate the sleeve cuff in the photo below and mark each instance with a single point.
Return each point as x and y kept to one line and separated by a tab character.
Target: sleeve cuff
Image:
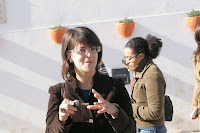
135	108
68	122
120	116
61	125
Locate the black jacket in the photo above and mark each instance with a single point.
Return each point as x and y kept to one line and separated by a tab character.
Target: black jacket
88	121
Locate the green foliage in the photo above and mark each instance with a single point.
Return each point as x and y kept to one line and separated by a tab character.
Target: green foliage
58	27
126	20
193	13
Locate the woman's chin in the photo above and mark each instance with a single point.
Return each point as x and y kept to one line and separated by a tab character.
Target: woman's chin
90	70
130	70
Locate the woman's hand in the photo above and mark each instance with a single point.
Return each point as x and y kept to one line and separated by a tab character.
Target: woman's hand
194	113
66	109
195	117
103	106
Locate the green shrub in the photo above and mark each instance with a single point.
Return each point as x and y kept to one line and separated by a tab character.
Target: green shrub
126	20
193	13
58	27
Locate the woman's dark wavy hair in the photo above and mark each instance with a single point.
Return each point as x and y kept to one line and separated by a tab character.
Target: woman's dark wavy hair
150	46
197	39
71	38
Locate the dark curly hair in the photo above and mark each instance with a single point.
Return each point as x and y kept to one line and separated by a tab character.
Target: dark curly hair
150	46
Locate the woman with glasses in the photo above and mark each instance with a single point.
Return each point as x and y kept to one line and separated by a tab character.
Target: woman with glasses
196	64
88	102
149	87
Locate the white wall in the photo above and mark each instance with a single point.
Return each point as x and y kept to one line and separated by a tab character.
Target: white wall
30	62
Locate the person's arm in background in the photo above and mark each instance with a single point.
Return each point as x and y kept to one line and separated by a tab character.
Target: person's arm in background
196	93
197	83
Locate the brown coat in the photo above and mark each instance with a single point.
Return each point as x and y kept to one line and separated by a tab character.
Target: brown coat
88	121
148	96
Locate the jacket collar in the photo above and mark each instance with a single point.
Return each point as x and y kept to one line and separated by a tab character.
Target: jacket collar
140	66
145	67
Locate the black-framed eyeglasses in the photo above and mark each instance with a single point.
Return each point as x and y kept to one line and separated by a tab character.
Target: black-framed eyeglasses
125	59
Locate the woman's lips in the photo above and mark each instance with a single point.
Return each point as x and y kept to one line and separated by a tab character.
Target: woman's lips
88	62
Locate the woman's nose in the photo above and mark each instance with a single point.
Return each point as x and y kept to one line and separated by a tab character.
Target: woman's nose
88	52
127	61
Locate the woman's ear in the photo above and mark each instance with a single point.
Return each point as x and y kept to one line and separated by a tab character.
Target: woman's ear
141	55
